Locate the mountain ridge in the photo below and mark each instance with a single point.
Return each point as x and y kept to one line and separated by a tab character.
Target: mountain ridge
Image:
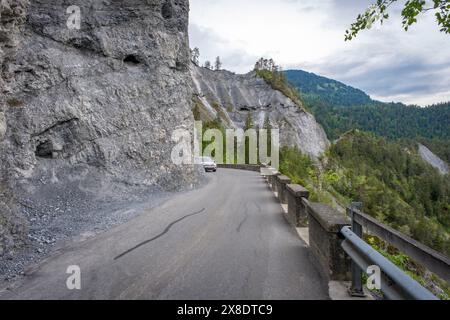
341	108
309	84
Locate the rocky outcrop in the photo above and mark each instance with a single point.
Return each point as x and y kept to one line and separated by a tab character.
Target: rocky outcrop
433	159
12	19
94	108
231	97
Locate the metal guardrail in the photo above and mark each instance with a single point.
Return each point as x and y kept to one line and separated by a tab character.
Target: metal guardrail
427	257
395	284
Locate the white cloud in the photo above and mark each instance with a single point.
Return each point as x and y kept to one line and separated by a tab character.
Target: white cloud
387	63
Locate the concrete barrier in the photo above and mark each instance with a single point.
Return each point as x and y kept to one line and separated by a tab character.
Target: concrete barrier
272	180
325	224
246	167
323	228
281	183
296	214
266	171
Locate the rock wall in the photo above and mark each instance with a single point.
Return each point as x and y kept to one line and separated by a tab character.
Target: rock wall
89	113
232	97
13	226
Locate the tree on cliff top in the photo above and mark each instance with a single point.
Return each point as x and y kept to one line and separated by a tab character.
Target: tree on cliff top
273	74
208	65
412	9
218	64
195	56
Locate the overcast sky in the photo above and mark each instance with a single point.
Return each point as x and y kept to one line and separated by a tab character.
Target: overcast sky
389	64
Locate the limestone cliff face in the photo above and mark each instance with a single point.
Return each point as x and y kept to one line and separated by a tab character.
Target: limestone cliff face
94	108
231	97
12	18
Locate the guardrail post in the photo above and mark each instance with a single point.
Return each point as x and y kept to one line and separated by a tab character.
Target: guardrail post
356	289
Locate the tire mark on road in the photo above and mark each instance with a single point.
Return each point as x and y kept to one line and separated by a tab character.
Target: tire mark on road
159	235
238	229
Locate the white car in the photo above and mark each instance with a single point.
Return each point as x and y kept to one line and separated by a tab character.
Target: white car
208	164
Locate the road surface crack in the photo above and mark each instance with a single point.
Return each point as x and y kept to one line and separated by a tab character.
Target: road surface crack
159	235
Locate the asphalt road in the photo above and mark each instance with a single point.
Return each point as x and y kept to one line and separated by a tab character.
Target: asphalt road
227	240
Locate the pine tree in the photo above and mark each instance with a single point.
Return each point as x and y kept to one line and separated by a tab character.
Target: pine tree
195	56
218	64
208	65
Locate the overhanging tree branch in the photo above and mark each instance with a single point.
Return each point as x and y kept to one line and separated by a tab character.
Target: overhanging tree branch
378	12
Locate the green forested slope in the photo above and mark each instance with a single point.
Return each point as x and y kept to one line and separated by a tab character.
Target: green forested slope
394	184
314	87
394	121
